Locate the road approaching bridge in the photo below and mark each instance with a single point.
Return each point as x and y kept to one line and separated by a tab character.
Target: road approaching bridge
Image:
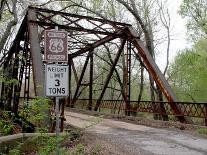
138	139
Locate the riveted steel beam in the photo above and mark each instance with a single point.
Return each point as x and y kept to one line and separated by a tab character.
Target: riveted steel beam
110	74
38	67
157	75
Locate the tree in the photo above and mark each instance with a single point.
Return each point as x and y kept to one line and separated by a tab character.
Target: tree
188	73
7	9
195	11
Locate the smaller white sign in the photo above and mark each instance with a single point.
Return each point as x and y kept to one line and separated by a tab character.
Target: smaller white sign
56	80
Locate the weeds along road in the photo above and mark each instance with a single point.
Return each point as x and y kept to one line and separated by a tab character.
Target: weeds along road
133	139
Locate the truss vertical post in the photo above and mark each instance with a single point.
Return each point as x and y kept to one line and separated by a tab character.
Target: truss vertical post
90	104
37	64
62	115
69	82
27	75
2	91
110	74
206	115
16	90
128	78
10	87
38	71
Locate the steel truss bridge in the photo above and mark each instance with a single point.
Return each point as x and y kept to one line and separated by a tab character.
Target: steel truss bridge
88	38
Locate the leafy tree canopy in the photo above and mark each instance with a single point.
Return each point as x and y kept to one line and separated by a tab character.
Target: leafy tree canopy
195	11
188	73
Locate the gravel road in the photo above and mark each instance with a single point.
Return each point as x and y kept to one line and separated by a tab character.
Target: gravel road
133	139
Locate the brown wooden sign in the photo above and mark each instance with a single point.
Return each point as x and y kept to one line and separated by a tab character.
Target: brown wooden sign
56	46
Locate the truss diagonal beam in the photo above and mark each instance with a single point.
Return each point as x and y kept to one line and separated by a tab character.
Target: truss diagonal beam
157	76
110	74
92	46
80	79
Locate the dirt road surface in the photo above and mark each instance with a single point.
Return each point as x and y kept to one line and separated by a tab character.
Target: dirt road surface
131	139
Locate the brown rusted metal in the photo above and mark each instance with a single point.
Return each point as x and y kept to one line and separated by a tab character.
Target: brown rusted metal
53	13
157	75
205	114
62	115
74	70
110	74
38	71
68	103
92	46
127	77
91	82
197	110
80	79
37	63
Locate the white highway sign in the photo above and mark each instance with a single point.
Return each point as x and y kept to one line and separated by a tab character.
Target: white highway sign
56	80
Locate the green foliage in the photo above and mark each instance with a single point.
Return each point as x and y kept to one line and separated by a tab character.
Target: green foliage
195	11
6	126
188	73
32	111
47	144
78	150
16	150
96	149
35	110
202	131
7	79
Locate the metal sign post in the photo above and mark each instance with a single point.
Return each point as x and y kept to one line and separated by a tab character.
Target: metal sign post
57	112
57	86
56	50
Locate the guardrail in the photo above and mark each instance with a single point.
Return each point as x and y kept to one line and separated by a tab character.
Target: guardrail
196	110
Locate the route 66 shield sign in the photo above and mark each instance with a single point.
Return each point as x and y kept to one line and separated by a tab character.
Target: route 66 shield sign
56	46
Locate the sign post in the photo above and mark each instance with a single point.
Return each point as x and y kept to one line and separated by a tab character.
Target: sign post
57	86
57	111
56	50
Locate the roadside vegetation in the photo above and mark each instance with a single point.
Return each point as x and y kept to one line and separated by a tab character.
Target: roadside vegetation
68	143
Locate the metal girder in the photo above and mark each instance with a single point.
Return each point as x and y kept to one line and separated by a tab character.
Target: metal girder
91	82
92	46
71	28
53	13
110	74
80	79
157	75
38	70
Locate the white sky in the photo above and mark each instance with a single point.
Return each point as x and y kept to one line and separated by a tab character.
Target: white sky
178	32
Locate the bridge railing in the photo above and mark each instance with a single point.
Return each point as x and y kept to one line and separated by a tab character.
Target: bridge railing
195	110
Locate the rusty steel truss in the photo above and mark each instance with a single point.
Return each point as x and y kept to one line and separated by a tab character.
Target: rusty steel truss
87	37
